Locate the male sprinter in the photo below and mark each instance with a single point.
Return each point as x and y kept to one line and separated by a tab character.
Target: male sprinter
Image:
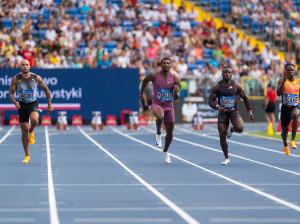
165	88
288	89
227	91
26	85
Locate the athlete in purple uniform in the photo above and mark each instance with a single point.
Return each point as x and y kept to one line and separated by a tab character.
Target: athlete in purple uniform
227	91
26	85
165	88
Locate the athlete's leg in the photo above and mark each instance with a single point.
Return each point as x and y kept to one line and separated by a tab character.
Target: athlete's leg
24	129
294	115
237	125
222	128
34	120
284	134
159	114
169	135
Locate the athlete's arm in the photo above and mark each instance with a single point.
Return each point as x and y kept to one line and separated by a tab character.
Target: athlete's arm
47	92
176	88
12	91
245	98
148	78
280	85
212	98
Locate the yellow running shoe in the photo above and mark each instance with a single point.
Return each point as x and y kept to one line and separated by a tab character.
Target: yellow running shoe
293	144
31	138
286	150
26	160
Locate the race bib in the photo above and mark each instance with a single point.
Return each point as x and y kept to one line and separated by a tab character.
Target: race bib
227	101
26	95
290	99
165	94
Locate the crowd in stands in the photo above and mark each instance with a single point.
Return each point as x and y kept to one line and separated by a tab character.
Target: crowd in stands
133	34
277	20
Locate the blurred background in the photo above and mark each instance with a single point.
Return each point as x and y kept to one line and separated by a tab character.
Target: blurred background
93	54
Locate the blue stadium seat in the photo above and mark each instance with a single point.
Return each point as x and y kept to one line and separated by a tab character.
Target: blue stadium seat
6	23
245	21
110	44
224	10
193	66
213	5
193	23
255	26
204	2
292	23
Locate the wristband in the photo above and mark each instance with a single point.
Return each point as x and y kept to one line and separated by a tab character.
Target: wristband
250	111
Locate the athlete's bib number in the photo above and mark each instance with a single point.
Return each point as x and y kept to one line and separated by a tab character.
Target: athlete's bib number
165	94
290	99
227	101
26	95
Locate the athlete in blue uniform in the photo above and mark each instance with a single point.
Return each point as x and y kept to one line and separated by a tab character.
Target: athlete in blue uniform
26	85
226	91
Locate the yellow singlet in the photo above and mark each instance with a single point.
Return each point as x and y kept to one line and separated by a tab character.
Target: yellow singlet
290	93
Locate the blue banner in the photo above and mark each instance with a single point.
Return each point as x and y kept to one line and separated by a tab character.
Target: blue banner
79	91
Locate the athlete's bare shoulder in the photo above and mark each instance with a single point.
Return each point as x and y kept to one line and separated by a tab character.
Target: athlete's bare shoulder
151	77
215	88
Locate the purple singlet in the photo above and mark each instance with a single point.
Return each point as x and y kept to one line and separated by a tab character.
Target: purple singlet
163	96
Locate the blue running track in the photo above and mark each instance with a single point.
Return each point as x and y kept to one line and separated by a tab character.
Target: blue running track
119	176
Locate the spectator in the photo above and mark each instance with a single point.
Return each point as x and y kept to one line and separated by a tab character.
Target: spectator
181	68
104	63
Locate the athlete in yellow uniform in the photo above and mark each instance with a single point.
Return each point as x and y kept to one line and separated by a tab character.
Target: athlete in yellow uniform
288	88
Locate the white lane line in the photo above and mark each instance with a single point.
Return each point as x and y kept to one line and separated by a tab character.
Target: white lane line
52	201
7	134
178	210
239	143
18	220
122	220
129	209
253	220
259	192
233	155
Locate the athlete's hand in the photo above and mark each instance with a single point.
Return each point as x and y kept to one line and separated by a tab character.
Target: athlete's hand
144	101
176	95
50	109
251	116
17	105
222	110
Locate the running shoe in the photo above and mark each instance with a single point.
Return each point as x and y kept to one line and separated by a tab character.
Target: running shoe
31	138
167	158
158	140
286	150
225	162
26	160
293	144
229	133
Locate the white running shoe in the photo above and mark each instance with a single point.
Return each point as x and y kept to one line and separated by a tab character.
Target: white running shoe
167	157
158	140
226	162
229	133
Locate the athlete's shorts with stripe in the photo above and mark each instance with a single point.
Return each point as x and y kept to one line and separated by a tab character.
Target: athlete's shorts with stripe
223	118
285	116
26	109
